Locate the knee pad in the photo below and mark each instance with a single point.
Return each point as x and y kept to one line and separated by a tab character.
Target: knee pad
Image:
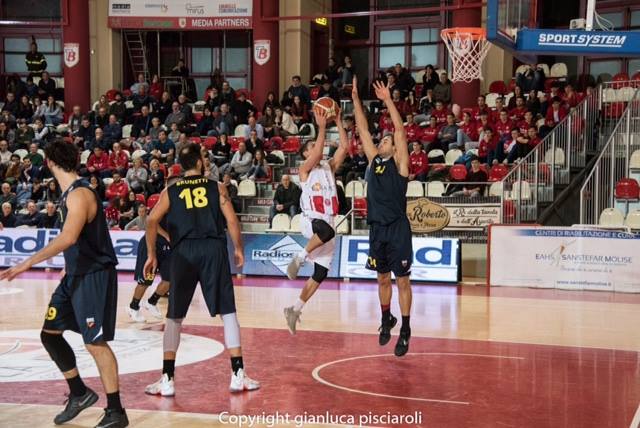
231	330
59	350
323	230
171	338
319	273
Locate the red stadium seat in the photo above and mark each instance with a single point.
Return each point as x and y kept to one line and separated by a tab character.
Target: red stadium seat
636	78
622	80
153	200
458	172
418	90
544	173
614	110
245	91
508	210
111	94
498	172
360	207
498	87
274	143
209	142
196	140
127	93
314	92
268	178
627	188
175	170
140	198
235	143
291	145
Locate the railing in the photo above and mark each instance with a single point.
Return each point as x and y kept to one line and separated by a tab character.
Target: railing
614	97
534	178
598	191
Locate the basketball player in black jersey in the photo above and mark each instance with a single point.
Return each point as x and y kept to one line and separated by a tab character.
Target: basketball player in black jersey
390	248
196	209
86	299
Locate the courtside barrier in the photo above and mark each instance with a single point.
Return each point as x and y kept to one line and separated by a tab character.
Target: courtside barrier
564	258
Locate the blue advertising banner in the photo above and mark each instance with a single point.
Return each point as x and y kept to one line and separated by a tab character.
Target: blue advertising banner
434	259
270	254
579	42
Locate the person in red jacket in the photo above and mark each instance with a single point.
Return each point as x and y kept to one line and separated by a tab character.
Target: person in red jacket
414	132
118	188
534	140
430	135
487	147
517	113
483	123
494	117
570	98
482	107
118	160
418	163
440	113
527	123
504	125
386	125
98	163
555	113
468	132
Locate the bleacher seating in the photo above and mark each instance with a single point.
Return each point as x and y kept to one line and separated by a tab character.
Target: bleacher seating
435	189
280	223
415	189
611	217
294	226
632	220
247	189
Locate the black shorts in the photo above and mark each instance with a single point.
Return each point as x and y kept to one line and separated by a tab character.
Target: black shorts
86	304
163	253
390	248
205	261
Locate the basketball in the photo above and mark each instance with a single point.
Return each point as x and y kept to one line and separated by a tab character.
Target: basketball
328	105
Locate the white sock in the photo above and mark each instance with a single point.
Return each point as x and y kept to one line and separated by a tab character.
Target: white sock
303	254
298	305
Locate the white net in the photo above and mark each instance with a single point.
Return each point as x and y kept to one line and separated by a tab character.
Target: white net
467	50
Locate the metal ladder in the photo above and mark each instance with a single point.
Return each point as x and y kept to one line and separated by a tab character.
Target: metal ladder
137	53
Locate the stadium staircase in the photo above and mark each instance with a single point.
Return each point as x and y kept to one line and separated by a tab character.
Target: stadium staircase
136	49
544	187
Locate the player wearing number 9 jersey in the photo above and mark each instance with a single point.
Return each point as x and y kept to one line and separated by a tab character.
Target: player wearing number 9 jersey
196	209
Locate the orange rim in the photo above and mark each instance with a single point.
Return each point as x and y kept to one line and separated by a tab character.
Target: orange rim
476	33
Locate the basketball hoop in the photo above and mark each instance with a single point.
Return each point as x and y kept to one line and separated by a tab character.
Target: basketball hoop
468	46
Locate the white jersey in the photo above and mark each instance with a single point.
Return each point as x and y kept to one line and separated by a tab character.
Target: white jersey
319	194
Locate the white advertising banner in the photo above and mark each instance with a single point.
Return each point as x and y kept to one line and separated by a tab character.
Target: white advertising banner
180	14
565	258
17	245
434	259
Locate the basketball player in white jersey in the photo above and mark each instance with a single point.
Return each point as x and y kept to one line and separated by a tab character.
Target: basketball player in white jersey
319	204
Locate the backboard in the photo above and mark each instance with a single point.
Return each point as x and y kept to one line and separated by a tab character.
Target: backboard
506	17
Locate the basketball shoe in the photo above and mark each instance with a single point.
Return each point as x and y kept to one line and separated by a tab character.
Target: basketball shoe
164	387
241	382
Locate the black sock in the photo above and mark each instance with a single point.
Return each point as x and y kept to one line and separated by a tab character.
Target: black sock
77	386
153	300
169	367
236	364
135	304
405	324
113	401
386	312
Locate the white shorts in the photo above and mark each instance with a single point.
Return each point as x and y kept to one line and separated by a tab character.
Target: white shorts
323	255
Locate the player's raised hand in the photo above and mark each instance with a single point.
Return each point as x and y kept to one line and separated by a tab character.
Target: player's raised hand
239	257
321	119
382	90
10	274
150	266
354	89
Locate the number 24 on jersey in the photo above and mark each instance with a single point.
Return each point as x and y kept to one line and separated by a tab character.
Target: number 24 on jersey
194	197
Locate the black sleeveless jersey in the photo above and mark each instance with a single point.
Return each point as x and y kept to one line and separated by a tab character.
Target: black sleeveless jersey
194	211
386	192
93	251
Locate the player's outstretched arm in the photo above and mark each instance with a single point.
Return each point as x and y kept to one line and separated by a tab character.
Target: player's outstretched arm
233	225
151	235
399	134
315	155
77	216
362	124
343	148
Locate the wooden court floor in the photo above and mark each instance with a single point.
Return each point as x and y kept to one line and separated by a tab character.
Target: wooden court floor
479	357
